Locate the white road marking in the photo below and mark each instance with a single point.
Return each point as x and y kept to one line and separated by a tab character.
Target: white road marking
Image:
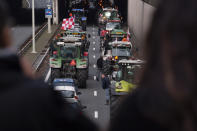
94	49
94	42
94	37
94	66
95	93
94	77
93	32
47	76
96	115
94	56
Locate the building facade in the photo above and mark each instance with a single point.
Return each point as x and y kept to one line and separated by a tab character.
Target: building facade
139	16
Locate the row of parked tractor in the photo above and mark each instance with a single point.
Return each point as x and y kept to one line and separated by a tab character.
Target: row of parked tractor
119	61
69	60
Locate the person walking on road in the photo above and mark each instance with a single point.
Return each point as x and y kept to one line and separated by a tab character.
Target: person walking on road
106	86
99	67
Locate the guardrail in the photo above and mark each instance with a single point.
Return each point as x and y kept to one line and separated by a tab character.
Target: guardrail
27	44
40	59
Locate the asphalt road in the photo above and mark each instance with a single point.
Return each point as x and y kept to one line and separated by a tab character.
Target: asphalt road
94	96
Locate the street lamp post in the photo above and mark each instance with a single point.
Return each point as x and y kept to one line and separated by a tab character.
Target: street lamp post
33	28
49	21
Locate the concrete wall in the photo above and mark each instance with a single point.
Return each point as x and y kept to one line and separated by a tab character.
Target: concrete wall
139	17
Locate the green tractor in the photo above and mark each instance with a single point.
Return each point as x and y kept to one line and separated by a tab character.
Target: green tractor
69	59
80	17
116	51
107	14
117	34
114	35
123	82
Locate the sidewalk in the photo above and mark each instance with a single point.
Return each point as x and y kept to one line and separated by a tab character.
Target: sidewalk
41	44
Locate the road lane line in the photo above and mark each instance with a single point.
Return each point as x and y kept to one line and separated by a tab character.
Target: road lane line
94	66
94	56
94	77
94	37
94	42
95	93
94	49
96	115
47	76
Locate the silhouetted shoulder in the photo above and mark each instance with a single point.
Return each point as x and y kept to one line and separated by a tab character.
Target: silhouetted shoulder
38	109
129	116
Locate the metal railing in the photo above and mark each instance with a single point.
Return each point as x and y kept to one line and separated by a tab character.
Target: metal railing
27	44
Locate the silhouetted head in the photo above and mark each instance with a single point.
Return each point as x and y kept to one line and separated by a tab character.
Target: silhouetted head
171	71
4	26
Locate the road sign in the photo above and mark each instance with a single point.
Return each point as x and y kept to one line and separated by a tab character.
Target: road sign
48	13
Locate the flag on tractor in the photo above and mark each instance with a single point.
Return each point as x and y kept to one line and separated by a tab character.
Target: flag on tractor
68	23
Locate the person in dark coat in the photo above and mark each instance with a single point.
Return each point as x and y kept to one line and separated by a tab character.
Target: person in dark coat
28	104
99	67
165	99
106	86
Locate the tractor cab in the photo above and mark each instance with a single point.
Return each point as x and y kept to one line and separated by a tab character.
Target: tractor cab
108	14
123	77
80	17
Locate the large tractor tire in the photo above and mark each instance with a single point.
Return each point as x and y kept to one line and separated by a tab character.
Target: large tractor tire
82	77
55	73
106	67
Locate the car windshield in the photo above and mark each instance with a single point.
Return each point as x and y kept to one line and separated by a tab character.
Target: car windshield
67	94
68	52
113	25
121	51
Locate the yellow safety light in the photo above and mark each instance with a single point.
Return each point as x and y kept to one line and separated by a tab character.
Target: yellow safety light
116	57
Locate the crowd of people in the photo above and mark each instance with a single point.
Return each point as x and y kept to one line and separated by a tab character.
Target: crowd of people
164	101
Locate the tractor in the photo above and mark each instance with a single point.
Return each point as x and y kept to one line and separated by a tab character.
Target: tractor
105	15
113	35
116	51
111	25
124	80
69	59
80	17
